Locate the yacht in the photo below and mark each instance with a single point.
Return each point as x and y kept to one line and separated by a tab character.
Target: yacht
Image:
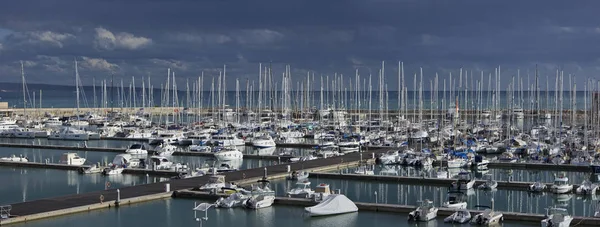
263	141
53	122
321	192
227	140
457	163
463	182
587	188
489	184
166	137
14	158
71	159
161	163
424	212
557	217
302	190
298	176
200	148
390	158
137	149
113	170
488	217
456	200
216	183
332	205
348	145
68	133
461	216
262	196
165	149
127	161
561	184
234	200
537	187
228	154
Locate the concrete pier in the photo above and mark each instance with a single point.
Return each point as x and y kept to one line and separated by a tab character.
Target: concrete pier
438	182
393	208
122	150
43	165
45	208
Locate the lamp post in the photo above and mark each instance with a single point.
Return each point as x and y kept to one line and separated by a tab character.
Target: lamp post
202	207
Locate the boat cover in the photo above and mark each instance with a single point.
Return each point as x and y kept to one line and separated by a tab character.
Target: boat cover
331	205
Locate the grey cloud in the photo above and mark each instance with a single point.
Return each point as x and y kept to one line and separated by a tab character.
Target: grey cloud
105	39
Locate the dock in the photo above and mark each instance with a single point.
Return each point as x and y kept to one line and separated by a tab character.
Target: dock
438	182
43	165
50	207
393	208
122	150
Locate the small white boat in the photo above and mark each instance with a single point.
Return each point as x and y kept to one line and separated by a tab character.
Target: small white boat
537	187
302	190
463	182
262	196
234	200
455	200
228	154
14	158
587	188
557	217
114	170
332	205
561	184
457	163
137	149
488	217
216	183
71	159
93	169
321	192
263	141
424	212
489	184
200	148
165	149
461	216
299	176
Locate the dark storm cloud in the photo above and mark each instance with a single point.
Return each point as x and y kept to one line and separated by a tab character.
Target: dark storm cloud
144	37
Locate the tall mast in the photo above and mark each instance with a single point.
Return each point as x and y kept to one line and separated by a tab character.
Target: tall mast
24	99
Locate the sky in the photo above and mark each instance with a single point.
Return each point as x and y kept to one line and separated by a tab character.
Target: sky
143	38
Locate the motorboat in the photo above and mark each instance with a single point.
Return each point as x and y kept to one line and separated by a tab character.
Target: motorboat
537	187
426	211
227	140
587	188
263	141
321	192
14	158
488	217
163	163
91	170
137	149
457	163
390	158
489	184
128	161
228	154
200	148
461	216
456	200
234	200
479	162
561	184
463	182
166	138
348	145
216	183
557	217
299	176
262	196
71	159
165	149
225	167
332	205
508	157
302	190
68	133
113	170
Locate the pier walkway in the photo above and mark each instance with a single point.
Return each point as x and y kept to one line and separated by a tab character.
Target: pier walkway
50	207
395	208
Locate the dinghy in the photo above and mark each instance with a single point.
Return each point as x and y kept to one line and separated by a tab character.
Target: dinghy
460	216
332	205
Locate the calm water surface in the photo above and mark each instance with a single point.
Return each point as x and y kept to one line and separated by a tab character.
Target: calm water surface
178	213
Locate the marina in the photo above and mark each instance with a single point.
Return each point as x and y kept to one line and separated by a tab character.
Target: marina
234	135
